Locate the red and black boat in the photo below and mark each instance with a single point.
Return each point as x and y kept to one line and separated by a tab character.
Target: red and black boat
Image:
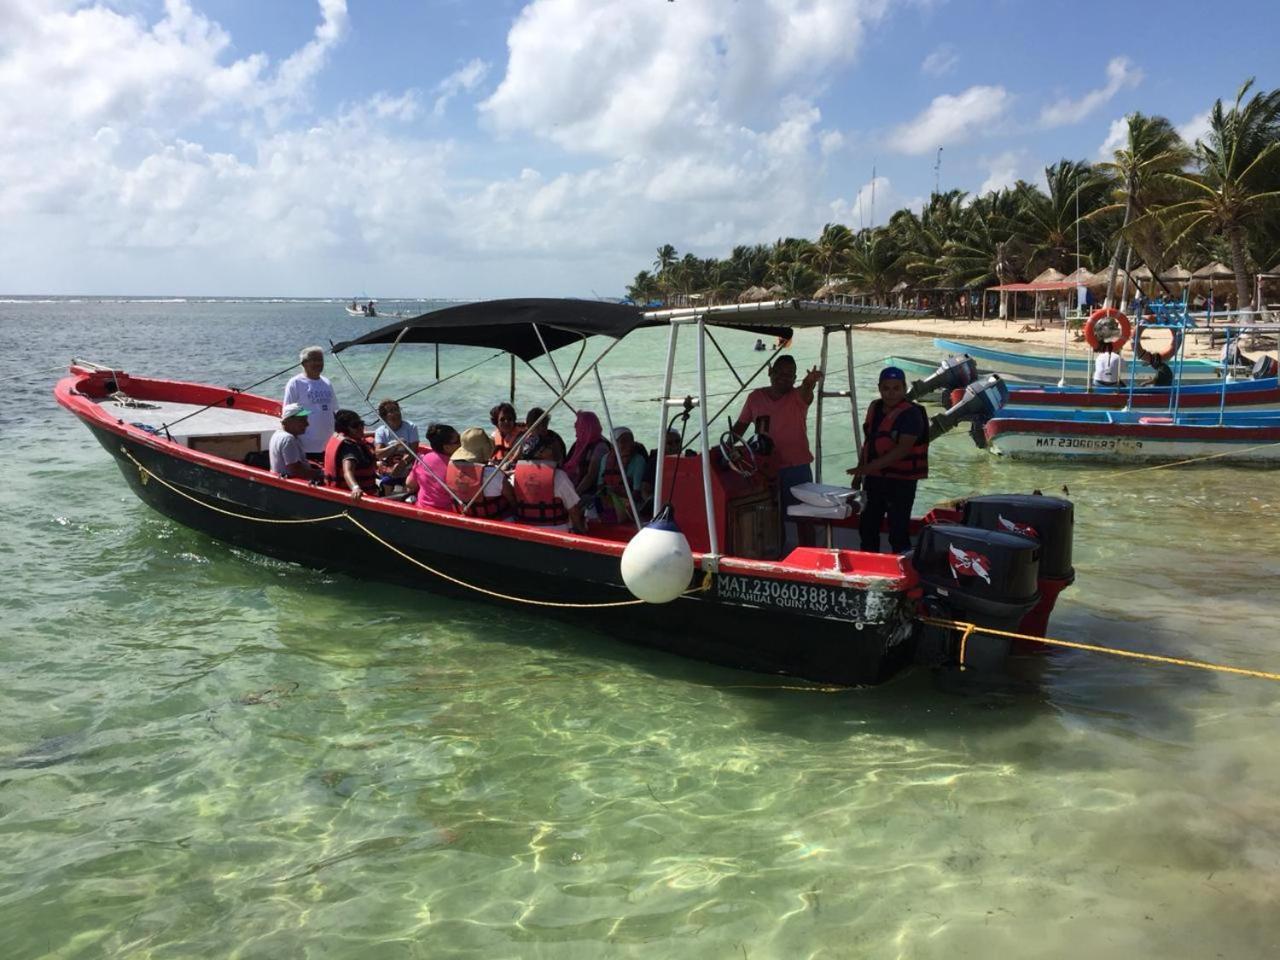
831	613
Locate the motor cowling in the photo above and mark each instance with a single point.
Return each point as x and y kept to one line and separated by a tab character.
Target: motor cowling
980	402
1047	520
953	373
984	577
1264	367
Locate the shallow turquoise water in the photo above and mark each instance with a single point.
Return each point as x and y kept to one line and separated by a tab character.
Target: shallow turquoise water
204	753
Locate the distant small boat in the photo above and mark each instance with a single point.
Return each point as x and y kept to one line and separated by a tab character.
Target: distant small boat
1008	362
367	309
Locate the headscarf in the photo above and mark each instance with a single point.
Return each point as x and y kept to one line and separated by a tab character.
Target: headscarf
587	433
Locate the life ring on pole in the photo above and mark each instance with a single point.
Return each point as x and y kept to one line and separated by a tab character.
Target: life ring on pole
1175	341
1107	326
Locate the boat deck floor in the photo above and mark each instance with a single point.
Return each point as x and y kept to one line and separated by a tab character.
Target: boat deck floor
211	422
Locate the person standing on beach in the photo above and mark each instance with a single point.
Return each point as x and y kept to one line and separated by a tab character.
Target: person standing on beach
314	392
894	458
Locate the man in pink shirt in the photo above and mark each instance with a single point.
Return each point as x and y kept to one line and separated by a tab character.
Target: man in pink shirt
779	412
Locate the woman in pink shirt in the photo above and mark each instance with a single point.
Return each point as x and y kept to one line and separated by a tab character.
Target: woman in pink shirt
425	480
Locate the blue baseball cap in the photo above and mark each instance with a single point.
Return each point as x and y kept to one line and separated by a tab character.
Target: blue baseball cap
892	373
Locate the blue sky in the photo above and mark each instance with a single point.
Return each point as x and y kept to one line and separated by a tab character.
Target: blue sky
473	148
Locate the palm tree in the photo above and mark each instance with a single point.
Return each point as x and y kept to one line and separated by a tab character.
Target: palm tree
1239	178
666	259
831	251
1053	219
873	263
1152	149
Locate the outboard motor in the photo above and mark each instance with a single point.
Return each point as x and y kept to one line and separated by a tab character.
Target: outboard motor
980	402
1264	367
981	576
1047	520
953	373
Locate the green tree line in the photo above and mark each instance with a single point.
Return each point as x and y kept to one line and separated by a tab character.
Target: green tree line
1158	201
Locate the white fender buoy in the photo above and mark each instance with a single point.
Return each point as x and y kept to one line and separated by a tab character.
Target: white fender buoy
657	564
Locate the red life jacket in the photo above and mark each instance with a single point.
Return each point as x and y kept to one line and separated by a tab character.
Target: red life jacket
501	446
466	480
878	431
611	479
536	500
365	467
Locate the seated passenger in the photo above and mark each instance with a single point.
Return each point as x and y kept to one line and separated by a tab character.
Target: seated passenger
614	506
470	470
427	478
287	457
588	450
541	427
348	459
544	495
506	431
651	470
394	442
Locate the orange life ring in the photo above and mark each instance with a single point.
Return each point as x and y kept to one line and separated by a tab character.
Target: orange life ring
1175	341
1107	318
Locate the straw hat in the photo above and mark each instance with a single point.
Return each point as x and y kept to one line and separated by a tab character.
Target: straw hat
476	446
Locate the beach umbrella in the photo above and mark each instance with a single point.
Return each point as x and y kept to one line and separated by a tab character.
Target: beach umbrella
829	289
1079	276
1213	276
753	295
1050	276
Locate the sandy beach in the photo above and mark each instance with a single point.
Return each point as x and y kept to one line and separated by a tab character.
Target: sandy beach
1047	340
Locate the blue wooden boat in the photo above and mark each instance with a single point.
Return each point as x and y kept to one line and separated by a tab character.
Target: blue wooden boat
1011	362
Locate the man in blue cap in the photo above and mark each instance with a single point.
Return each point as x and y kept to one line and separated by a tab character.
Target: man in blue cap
894	458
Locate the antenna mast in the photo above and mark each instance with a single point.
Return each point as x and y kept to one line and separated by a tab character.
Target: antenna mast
937	172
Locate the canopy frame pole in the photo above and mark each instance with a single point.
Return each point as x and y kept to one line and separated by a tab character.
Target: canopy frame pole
550	386
661	448
737	393
582	349
547	354
613	442
378	376
456	373
413	453
853	391
727	363
512	395
817	427
710	560
560	398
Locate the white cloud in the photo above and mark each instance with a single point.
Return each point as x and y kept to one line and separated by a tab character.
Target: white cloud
1197	128
1002	171
615	77
941	61
463	80
951	119
1121	73
1117	136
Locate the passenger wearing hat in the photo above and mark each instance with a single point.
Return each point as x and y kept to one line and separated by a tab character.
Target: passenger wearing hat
612	493
287	457
894	458
481	488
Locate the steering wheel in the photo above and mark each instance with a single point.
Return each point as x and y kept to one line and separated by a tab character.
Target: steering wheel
738	455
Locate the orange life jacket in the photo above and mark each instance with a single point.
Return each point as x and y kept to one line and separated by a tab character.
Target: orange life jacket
365	467
536	500
466	480
879	440
500	446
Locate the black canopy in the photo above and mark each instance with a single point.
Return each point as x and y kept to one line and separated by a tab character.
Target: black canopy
508	325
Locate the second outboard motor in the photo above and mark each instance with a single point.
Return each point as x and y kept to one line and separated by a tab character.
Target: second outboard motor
1264	367
981	401
980	576
1047	520
954	372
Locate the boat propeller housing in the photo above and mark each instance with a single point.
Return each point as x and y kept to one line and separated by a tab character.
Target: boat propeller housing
952	374
657	563
979	403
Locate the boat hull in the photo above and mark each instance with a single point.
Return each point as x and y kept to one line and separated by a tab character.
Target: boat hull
751	618
1036	439
1240	395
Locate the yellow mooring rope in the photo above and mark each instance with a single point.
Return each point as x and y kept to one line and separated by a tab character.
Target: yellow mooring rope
146	475
968	629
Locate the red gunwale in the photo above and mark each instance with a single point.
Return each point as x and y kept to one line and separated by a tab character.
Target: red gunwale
809	565
1031	397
